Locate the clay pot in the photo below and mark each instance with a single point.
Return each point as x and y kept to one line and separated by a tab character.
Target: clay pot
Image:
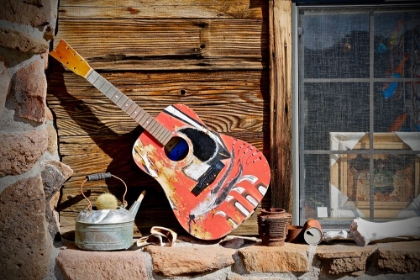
272	226
294	234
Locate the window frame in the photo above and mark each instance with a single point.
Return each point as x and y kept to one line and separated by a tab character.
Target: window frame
297	179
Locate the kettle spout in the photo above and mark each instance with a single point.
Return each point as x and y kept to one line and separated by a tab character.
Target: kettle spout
136	205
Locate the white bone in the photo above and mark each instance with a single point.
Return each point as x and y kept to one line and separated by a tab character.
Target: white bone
365	232
337	235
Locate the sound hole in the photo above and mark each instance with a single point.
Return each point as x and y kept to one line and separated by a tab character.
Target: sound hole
177	148
204	147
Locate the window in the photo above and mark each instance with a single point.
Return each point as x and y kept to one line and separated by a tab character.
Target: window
357	94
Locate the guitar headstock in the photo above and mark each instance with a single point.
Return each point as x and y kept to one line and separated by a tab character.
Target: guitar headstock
70	58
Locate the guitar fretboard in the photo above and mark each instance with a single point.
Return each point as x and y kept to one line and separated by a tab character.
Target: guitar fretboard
157	130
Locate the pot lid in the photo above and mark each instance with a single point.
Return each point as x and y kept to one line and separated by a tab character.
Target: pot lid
120	215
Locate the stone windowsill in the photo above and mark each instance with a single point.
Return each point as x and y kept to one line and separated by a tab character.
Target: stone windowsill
213	261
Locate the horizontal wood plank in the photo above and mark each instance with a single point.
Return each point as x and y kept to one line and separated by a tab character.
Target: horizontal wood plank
179	63
228	86
168	44
98	119
224	105
73	9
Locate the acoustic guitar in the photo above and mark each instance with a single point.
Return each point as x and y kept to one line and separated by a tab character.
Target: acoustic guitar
213	182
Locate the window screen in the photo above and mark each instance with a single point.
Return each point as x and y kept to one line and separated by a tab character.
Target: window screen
359	113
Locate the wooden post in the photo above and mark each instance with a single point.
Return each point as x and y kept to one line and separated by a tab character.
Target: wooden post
280	27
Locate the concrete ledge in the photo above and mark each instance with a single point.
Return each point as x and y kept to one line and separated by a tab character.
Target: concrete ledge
197	261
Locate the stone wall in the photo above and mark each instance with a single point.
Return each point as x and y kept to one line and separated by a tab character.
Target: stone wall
31	173
239	259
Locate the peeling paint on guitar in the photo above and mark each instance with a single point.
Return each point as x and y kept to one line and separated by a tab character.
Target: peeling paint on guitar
228	200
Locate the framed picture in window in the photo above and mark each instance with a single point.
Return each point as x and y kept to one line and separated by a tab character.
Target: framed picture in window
396	175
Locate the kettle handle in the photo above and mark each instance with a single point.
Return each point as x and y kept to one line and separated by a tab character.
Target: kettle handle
98	176
102	176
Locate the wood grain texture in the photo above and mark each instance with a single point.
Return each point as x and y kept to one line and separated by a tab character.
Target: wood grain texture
74	9
281	103
168	44
210	55
232	105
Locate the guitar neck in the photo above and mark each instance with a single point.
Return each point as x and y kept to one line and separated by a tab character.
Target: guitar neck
157	130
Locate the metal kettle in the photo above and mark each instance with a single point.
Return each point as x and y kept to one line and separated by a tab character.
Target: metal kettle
106	230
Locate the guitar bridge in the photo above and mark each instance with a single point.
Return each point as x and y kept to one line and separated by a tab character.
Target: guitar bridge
207	178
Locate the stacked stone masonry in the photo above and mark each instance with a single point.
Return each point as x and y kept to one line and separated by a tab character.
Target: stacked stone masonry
185	260
31	173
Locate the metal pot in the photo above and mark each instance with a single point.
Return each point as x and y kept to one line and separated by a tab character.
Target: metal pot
106	230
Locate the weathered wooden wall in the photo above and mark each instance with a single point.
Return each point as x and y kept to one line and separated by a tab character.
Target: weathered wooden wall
210	55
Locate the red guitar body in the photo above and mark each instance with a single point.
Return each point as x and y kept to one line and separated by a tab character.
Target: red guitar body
236	175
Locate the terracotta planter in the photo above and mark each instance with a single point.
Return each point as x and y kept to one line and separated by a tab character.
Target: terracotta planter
294	234
272	226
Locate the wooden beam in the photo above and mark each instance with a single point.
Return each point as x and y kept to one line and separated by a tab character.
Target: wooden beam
280	27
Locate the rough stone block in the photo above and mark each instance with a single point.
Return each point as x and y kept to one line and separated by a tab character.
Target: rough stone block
344	259
259	277
25	247
22	42
287	258
52	138
182	260
53	177
399	257
5	82
78	264
26	12
19	151
30	91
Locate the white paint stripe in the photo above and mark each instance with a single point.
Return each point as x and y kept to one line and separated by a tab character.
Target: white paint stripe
262	190
242	209
250	178
221	213
252	200
239	189
228	198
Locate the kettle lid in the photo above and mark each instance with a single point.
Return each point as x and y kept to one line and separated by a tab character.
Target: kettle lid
108	216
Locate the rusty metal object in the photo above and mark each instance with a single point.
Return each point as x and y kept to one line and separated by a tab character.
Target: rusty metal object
312	232
272	226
